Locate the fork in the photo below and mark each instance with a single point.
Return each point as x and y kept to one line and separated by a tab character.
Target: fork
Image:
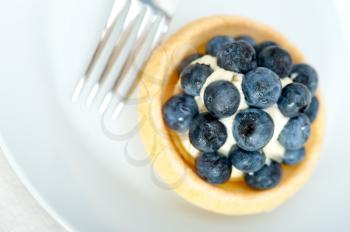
112	72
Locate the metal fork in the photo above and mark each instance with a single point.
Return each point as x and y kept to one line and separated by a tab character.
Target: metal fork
123	47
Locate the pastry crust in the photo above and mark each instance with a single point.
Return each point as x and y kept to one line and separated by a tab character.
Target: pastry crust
171	161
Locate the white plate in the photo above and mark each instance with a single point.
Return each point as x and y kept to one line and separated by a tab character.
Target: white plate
90	182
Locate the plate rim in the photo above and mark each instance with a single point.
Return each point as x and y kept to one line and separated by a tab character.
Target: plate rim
33	192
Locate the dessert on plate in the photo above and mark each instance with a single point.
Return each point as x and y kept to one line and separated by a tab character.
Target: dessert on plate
233	119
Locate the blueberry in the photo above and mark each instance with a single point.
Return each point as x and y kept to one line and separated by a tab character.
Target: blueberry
246	161
261	87
292	157
217	43
206	133
266	178
305	74
277	59
252	129
312	111
238	56
261	46
221	98
213	168
247	39
294	100
179	111
185	62
193	78
295	133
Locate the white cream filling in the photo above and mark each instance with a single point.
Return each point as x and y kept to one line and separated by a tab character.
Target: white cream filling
273	150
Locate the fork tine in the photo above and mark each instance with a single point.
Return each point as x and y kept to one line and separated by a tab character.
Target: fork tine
111	32
110	82
107	95
128	76
119	55
118	21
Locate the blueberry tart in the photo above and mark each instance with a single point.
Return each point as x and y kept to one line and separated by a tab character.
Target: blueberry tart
233	119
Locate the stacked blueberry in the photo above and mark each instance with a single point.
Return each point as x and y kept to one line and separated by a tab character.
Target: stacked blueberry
263	66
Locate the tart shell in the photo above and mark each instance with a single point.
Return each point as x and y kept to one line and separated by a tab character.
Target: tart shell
158	82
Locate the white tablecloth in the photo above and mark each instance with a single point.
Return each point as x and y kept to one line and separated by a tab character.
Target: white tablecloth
18	210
